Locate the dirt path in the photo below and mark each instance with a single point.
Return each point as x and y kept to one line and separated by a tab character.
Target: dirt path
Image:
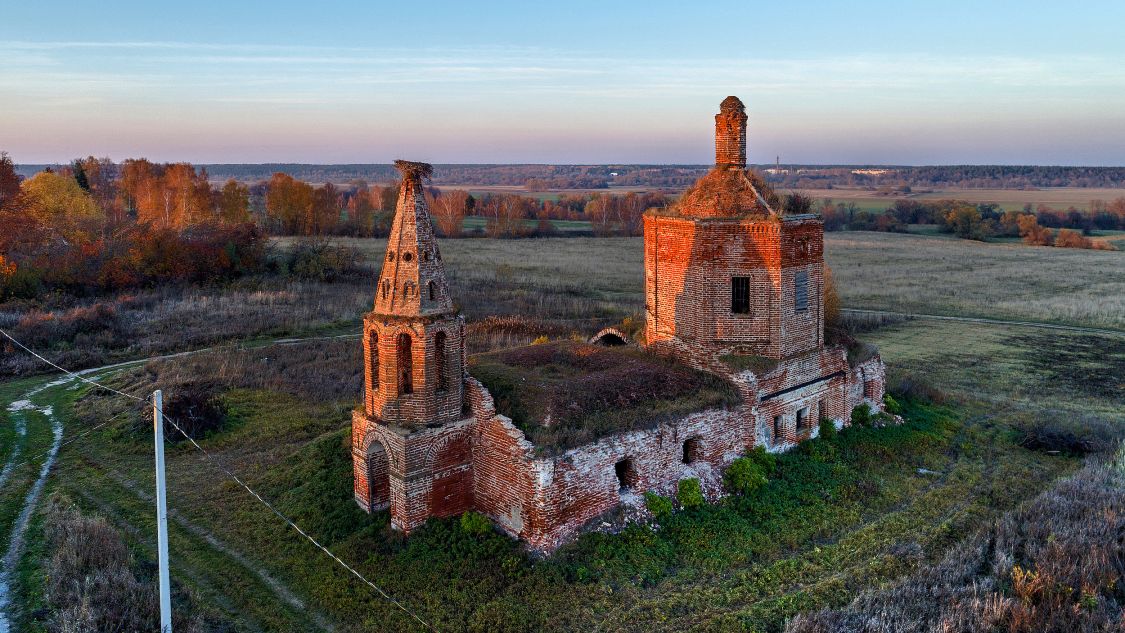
19	528
988	321
31	498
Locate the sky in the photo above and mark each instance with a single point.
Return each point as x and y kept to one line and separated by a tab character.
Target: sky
565	82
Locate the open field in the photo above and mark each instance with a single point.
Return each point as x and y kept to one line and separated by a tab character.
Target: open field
836	519
1008	199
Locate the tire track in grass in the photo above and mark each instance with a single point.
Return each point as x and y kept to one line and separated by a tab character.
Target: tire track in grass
19	528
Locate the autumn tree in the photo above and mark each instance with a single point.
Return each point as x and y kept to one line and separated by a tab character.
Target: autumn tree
324	212
234	202
9	183
1068	238
288	203
450	208
1032	233
58	202
965	221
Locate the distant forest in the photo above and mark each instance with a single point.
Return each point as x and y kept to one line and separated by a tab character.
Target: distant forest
676	177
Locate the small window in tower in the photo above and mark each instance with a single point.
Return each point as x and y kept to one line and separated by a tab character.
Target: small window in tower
426	256
432	289
407	256
408	289
439	361
386	287
373	355
801	291
740	295
405	361
390	256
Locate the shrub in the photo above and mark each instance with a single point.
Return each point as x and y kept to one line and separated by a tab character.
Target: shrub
476	524
891	404
913	387
861	415
744	476
827	430
766	460
539	340
1057	432
195	409
660	507
322	261
690	493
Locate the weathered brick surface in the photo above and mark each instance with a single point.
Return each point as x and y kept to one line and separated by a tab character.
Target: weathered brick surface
689	268
431	443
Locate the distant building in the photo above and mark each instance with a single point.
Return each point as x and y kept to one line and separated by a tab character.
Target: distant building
734	319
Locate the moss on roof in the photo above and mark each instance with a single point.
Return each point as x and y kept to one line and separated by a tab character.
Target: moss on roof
566	394
724	192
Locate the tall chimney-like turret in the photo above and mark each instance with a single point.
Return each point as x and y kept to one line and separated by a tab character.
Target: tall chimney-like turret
730	134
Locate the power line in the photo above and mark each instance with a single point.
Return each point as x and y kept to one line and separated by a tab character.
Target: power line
218	464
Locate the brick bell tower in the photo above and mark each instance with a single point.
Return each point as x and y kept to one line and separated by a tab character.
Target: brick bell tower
725	271
413	348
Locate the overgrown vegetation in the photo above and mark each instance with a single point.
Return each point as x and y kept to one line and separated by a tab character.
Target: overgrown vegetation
1053	564
565	394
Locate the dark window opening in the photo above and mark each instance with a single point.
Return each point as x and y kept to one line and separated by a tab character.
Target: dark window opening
693	449
432	290
802	418
801	291
626	474
740	295
407	256
822	410
405	365
373	355
778	428
439	361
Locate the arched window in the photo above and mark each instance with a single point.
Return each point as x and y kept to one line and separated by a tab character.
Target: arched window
432	287
405	365
386	287
407	289
439	361
373	357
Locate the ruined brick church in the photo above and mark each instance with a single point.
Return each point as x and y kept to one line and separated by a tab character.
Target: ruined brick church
734	294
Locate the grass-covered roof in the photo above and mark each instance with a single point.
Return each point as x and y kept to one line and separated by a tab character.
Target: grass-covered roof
567	394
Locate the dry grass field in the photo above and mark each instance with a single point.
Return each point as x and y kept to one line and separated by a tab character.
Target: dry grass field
1008	199
873	509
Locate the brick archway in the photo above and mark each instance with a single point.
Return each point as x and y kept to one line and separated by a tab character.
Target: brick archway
378	476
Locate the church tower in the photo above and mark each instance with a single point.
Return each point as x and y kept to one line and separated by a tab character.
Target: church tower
414	360
413	338
725	271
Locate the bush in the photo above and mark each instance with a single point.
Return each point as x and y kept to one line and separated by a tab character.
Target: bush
828	430
744	476
913	387
321	261
660	507
891	404
767	460
690	493
1060	433
861	415
476	524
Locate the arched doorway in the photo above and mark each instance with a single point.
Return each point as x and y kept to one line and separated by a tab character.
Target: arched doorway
378	477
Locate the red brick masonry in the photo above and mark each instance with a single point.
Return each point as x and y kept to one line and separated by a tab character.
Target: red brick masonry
428	441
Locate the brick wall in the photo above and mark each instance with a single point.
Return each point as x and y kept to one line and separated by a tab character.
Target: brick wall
730	133
689	267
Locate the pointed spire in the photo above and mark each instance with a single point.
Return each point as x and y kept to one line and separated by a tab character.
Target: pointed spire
412	282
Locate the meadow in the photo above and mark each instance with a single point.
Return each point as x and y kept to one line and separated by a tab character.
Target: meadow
1008	199
863	511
